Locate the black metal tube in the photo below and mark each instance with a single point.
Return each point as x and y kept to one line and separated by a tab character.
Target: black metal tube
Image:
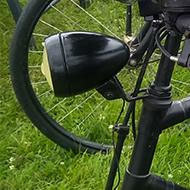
15	8
151	182
142	33
154	109
166	66
123	131
183	22
128	21
141	49
145	142
144	148
157	183
51	4
178	112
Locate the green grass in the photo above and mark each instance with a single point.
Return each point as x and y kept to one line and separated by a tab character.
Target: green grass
28	160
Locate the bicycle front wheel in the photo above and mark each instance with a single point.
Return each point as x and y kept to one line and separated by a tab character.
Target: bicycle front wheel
82	122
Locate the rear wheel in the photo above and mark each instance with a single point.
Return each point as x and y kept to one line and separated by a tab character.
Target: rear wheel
82	122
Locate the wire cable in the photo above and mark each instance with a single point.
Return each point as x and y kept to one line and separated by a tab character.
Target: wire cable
158	42
113	141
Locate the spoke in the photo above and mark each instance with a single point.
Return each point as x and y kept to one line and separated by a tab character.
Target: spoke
77	107
41	82
179	89
41	35
34	67
94	19
35	51
88	115
91	125
39	96
72	21
138	24
181	82
111	21
56	105
174	80
50	25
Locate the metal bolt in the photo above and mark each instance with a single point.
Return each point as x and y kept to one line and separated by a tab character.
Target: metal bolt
109	94
187	33
133	62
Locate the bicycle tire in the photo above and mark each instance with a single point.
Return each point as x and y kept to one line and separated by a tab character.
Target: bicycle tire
26	93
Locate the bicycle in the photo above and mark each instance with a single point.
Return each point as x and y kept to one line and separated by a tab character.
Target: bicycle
32	93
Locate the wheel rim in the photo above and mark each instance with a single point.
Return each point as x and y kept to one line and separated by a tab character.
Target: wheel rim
65	113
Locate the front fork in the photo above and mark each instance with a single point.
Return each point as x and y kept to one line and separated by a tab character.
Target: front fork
154	109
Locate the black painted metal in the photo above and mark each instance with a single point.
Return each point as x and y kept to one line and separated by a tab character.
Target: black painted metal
166	66
152	182
141	34
79	61
149	128
178	112
148	8
128	21
15	8
122	133
141	49
177	6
